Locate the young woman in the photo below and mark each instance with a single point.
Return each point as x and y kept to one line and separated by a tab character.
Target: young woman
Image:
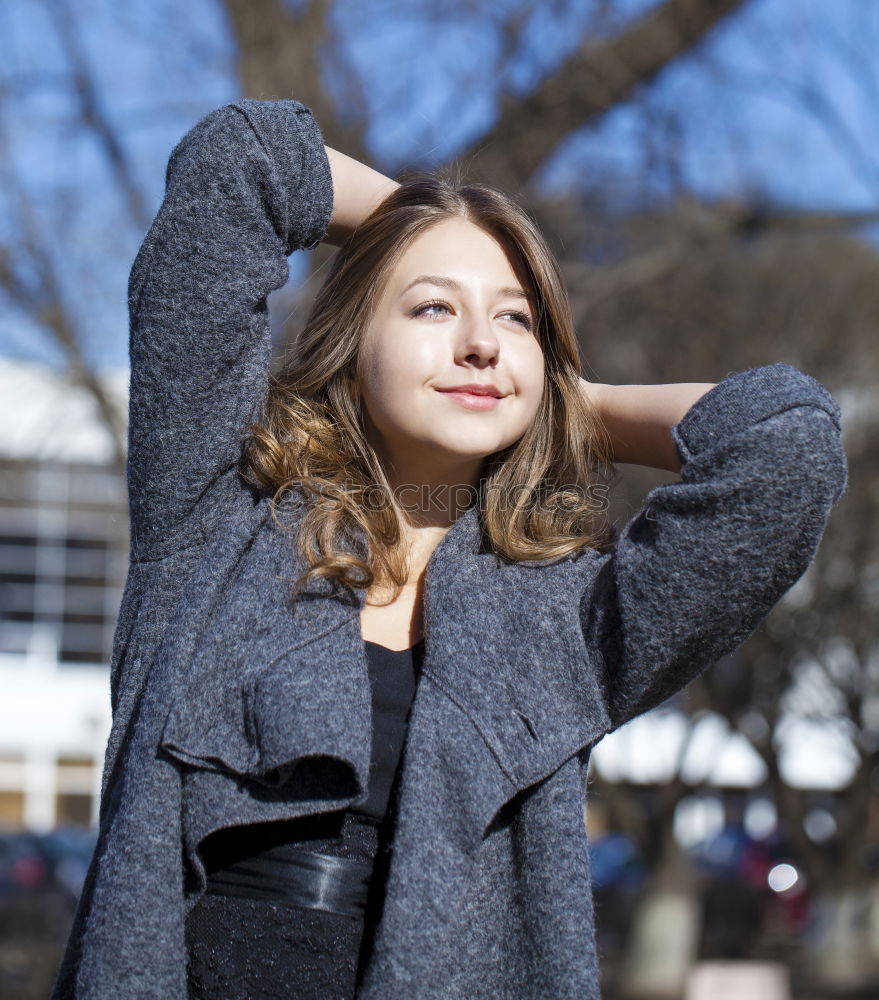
375	620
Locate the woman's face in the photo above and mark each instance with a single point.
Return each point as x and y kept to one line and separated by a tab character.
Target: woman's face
429	336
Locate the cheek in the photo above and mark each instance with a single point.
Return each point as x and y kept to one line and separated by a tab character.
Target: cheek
376	368
394	369
391	384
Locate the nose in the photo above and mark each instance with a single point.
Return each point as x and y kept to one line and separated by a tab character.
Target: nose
477	341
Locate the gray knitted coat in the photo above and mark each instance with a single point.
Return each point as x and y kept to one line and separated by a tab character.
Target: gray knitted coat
231	708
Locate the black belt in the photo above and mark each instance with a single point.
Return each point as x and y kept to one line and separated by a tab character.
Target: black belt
304	878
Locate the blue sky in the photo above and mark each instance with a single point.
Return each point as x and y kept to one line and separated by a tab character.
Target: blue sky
735	107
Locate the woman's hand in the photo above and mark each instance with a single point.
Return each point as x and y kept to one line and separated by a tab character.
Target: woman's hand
357	190
639	419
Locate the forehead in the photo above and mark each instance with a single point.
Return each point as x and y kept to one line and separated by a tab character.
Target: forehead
459	252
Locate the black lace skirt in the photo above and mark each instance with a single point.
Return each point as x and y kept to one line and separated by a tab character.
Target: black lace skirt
245	948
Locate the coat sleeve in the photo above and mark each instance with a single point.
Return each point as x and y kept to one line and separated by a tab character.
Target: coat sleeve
247	186
696	571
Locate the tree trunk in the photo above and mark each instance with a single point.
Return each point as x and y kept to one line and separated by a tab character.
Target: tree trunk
664	940
840	956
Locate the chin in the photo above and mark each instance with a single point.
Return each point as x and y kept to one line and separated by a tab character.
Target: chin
465	444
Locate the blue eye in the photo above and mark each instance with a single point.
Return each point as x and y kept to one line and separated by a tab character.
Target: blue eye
429	305
522	318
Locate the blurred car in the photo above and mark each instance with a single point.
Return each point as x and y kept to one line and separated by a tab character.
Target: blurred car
69	851
615	861
24	866
755	872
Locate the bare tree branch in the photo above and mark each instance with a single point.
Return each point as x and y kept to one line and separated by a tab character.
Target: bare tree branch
700	225
94	117
279	56
43	300
595	79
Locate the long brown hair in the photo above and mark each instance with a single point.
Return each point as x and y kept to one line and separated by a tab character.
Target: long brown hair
537	498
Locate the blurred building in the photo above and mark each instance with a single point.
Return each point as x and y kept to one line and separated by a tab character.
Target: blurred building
63	562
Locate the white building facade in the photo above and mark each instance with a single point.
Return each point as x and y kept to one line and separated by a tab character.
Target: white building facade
63	562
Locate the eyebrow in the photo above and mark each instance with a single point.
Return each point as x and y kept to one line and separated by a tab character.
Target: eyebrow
444	282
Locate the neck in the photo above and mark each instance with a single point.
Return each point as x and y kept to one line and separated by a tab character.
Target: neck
432	497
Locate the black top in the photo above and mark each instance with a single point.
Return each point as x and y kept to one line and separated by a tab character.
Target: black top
393	674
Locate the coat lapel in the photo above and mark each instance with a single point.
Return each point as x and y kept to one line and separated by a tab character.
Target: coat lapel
267	684
526	682
270	707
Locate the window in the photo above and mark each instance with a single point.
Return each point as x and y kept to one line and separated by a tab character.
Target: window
63	559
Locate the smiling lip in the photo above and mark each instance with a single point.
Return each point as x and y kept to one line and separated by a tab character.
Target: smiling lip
475	396
476	389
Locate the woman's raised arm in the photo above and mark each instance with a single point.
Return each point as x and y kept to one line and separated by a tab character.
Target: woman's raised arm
639	419
357	190
247	186
695	572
